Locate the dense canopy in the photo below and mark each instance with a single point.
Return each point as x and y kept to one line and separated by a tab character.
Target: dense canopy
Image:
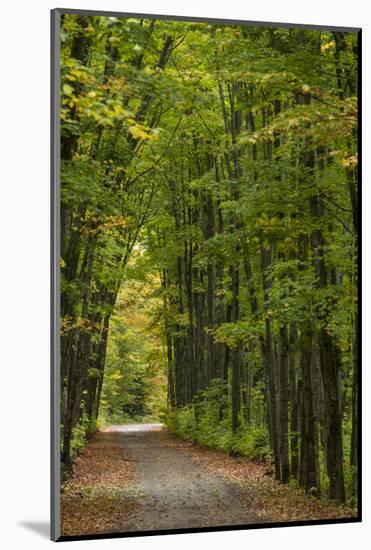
209	238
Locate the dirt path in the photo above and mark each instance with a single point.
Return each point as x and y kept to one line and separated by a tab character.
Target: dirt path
139	477
175	491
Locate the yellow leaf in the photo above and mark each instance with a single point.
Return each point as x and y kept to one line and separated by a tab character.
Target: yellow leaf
139	132
67	89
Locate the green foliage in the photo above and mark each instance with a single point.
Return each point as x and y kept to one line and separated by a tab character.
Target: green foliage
207	206
208	422
134	387
80	434
251	442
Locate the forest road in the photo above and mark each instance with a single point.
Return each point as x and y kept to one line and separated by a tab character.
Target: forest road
174	491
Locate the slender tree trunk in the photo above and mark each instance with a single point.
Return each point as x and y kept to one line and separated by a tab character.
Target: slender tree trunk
284	418
294	427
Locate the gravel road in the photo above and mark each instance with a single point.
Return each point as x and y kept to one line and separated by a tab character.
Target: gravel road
174	491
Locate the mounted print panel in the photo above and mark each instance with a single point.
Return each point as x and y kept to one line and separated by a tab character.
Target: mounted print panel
205	278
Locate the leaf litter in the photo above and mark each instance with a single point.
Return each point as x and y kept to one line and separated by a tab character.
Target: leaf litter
103	494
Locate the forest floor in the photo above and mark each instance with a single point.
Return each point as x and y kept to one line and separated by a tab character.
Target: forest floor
140	477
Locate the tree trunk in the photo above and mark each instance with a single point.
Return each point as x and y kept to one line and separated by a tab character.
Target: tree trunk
284	418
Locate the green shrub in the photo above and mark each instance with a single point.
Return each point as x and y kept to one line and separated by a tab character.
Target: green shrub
253	442
79	436
201	422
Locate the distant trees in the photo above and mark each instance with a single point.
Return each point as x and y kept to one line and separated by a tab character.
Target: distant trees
229	156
